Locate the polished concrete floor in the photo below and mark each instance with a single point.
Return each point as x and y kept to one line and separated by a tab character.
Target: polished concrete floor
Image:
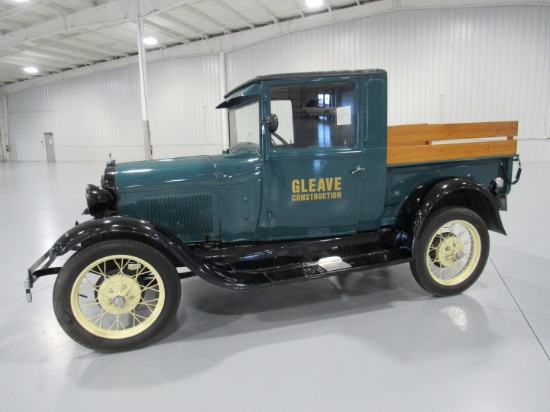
369	341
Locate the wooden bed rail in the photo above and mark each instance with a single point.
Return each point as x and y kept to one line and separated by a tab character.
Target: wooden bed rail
414	143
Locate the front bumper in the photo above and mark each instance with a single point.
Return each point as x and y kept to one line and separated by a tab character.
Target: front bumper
40	268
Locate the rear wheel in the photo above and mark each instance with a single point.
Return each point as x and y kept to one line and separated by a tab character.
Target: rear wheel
116	295
451	252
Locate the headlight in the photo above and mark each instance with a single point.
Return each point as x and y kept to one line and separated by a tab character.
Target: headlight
102	200
99	201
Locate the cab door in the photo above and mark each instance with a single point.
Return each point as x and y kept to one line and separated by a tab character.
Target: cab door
314	165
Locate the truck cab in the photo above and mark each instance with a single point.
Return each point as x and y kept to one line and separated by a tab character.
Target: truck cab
317	174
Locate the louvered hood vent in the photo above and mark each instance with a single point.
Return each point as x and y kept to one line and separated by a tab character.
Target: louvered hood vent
184	214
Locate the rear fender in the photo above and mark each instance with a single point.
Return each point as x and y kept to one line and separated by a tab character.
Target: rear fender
450	192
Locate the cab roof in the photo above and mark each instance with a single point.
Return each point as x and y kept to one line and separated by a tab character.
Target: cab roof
302	75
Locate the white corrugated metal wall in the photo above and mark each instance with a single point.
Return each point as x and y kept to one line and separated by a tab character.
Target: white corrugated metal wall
444	65
4	153
88	117
183	95
98	114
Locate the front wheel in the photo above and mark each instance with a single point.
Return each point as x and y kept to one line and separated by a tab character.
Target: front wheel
451	252
116	295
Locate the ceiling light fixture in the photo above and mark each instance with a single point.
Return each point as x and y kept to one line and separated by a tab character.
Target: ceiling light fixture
314	4
150	41
30	69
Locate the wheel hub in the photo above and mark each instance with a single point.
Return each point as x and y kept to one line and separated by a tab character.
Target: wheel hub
119	294
450	251
119	301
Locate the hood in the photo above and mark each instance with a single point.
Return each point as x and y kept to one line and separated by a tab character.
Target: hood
166	174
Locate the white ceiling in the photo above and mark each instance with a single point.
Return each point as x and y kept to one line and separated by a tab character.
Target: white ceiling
62	35
65	35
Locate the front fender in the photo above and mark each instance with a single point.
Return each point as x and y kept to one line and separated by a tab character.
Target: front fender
96	230
113	227
121	227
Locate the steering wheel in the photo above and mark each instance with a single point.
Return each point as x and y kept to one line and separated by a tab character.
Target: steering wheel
283	141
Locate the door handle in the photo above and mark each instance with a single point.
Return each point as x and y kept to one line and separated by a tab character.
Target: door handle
358	170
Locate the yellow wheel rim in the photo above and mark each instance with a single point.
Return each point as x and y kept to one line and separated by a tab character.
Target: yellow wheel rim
117	297
453	253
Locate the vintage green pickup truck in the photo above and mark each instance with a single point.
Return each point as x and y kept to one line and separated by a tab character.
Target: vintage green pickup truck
293	198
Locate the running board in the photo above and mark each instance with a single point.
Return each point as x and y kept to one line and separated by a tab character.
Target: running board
262	264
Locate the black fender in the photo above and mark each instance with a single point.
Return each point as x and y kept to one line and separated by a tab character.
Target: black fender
122	227
116	227
426	199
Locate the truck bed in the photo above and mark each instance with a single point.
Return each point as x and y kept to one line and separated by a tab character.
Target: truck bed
423	153
418	143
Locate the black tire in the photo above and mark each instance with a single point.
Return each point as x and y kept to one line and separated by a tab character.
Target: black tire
328	115
116	295
451	251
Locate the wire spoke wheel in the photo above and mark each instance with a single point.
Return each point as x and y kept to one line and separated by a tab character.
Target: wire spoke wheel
451	251
121	304
116	295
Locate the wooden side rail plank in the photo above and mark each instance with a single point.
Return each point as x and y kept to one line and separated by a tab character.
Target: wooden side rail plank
432	153
425	133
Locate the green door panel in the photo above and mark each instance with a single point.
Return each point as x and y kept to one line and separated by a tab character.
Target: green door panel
313	194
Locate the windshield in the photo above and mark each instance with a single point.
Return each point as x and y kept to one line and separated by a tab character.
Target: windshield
244	124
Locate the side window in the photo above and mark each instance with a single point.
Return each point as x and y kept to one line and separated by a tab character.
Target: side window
314	115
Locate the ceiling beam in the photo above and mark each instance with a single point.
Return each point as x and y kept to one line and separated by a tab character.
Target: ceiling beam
162	30
234	13
89	3
191	29
266	10
203	16
22	8
15	25
125	32
45	65
40	18
296	8
60	10
78	51
97	34
32	52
